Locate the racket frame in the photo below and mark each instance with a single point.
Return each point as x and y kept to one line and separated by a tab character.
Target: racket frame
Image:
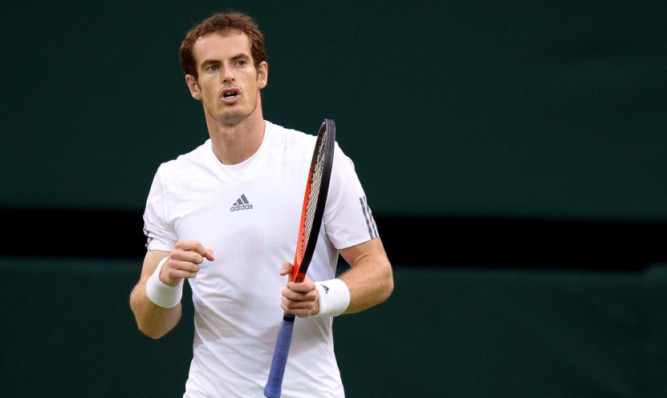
326	140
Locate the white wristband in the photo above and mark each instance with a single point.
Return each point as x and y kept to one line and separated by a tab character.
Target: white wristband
334	297
160	293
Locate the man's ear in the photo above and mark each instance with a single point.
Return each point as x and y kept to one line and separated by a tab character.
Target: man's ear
193	86
263	74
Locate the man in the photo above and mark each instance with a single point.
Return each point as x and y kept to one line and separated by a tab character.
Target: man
225	217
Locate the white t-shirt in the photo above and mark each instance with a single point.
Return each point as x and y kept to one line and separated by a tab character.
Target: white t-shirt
248	215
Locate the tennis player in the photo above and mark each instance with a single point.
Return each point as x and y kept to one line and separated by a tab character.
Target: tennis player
225	216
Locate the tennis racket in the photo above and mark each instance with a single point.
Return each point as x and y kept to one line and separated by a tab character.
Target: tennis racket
312	211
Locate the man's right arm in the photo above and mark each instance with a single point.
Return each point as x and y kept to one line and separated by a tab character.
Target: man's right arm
152	320
181	263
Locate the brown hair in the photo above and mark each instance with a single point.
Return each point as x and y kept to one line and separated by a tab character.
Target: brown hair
221	23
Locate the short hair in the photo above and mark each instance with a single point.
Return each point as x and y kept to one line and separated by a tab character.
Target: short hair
220	23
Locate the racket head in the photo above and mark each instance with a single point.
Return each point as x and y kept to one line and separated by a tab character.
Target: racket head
315	197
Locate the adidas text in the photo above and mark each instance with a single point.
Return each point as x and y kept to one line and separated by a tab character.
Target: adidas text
240	207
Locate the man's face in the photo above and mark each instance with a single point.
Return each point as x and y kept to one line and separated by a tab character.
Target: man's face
228	84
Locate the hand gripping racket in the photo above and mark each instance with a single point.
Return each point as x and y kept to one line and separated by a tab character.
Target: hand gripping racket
314	201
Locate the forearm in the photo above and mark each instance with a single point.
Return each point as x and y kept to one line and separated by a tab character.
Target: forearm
160	313
152	320
370	281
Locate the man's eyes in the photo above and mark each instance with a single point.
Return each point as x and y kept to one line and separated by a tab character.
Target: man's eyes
216	67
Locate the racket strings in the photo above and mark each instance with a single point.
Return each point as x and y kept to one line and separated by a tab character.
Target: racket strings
317	168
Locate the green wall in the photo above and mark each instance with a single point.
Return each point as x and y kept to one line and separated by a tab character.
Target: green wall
504	109
468	332
548	110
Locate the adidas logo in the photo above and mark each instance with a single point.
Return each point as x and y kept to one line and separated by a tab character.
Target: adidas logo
326	289
241	204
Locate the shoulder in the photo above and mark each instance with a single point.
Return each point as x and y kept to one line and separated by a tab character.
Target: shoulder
290	142
286	136
187	163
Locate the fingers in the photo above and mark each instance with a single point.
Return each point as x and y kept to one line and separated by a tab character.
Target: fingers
208	253
194	247
183	262
285	268
300	299
174	270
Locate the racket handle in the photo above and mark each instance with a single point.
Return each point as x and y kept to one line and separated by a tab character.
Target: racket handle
274	384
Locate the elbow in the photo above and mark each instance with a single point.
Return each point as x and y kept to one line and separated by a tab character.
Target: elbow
149	326
153	333
157	325
389	289
153	321
388	286
154	336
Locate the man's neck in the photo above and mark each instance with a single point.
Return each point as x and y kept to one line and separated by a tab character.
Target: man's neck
232	144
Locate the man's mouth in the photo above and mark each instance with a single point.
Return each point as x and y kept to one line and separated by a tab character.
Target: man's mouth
230	94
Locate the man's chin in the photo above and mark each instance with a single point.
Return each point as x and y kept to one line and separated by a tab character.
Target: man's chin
230	118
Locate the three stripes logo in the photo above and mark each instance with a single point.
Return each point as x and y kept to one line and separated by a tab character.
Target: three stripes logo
370	221
241	204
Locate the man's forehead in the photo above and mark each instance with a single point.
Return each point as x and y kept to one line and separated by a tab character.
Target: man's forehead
231	37
221	44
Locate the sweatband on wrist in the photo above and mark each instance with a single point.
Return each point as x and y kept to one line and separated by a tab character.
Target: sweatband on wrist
334	297
160	293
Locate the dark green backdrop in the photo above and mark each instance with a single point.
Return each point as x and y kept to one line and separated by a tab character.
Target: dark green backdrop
484	108
548	116
68	332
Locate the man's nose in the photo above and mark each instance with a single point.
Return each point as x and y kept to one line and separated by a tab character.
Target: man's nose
227	74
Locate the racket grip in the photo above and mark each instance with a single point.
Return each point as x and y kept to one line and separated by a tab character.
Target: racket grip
274	384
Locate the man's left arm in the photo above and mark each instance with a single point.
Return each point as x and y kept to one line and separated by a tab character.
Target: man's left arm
370	278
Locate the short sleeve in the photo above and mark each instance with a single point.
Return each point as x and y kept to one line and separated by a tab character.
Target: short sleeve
348	220
160	235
